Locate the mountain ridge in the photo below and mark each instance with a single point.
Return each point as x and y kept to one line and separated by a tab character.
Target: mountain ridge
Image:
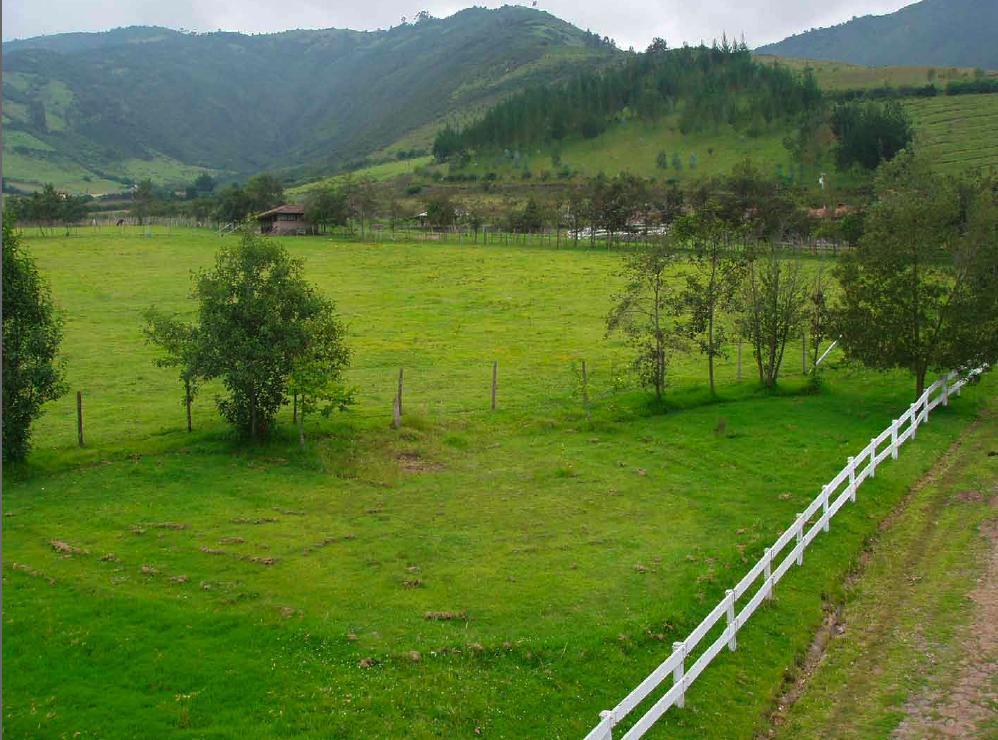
296	100
945	33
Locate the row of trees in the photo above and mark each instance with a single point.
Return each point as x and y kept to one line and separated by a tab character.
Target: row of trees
919	292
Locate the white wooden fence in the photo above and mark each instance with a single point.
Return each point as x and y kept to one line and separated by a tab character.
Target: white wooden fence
773	565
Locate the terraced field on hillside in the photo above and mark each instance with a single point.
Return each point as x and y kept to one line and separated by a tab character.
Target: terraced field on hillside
957	131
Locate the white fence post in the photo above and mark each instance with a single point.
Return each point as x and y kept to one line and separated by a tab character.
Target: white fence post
852	479
824	507
800	539
894	439
605	716
679	671
732	625
768	572
873	457
946	391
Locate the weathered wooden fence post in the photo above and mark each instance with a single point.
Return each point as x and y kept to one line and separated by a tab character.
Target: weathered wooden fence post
399	395
79	417
495	382
396	412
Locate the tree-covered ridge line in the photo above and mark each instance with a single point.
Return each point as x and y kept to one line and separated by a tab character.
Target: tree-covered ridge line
706	86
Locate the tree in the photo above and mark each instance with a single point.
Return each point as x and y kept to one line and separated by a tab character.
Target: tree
233	205
870	132
326	207
316	372
179	343
259	326
205	183
641	311
143	197
662	160
32	332
263	192
718	269
818	319
440	211
773	304
921	289
677	162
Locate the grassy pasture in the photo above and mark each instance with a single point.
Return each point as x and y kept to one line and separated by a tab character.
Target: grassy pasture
845	76
216	590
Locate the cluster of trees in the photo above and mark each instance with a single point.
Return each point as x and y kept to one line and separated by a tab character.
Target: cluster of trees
48	207
707	86
919	292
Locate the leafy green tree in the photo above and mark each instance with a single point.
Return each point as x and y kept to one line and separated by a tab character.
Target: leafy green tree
32	332
773	307
870	132
662	160
204	183
677	162
233	205
259	325
143	198
642	312
263	192
440	212
718	268
317	370
327	207
179	343
921	289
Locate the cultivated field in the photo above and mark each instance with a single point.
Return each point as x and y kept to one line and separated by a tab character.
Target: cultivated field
957	132
508	573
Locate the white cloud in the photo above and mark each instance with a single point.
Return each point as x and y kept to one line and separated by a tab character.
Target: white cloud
630	22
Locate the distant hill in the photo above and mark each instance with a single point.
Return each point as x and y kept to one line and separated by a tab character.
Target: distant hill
944	33
151	101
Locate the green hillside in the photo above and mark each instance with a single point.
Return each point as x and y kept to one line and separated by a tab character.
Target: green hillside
299	101
949	33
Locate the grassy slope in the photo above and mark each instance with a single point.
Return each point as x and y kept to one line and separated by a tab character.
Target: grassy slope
907	615
530	519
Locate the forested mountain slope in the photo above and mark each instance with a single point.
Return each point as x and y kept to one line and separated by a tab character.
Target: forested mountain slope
946	33
308	101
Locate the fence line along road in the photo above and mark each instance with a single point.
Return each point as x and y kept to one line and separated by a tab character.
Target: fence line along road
771	568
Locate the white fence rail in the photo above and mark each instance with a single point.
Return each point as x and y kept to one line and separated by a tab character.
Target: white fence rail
773	565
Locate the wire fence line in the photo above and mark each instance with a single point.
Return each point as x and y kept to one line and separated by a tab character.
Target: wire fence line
808	524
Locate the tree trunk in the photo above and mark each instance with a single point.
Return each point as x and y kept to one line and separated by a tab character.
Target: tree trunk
252	416
187	402
920	373
301	426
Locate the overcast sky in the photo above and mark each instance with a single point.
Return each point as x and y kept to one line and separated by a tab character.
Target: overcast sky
629	22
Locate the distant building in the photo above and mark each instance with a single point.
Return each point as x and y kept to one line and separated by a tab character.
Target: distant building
285	220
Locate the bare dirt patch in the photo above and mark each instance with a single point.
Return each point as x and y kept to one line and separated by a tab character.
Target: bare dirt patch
413	462
446	616
64	548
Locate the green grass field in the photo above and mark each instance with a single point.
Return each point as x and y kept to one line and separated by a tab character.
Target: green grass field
215	590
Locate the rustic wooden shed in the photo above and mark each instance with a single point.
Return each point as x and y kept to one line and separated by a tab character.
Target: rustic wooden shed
288	219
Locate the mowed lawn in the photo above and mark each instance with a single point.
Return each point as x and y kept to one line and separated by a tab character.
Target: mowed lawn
506	574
